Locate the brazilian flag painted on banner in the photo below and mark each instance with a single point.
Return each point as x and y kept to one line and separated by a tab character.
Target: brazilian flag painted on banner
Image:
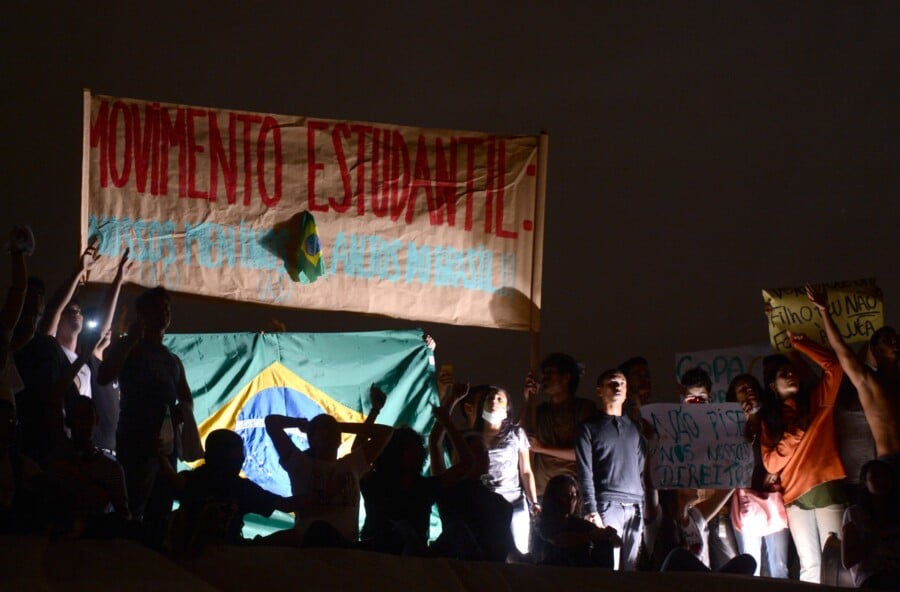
311	262
237	379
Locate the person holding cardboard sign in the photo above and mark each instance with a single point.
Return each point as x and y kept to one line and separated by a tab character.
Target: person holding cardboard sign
696	389
798	441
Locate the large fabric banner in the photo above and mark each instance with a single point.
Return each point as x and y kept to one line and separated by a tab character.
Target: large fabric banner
698	446
239	378
412	223
857	307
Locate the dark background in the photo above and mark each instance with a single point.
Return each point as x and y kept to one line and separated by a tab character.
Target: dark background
698	151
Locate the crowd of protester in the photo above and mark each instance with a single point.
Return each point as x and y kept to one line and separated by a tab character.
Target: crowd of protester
91	429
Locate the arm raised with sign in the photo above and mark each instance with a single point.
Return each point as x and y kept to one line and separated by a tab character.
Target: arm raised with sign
882	410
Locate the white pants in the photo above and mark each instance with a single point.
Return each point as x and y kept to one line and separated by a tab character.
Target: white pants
521	524
810	529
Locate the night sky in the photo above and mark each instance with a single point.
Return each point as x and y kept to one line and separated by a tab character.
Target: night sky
699	152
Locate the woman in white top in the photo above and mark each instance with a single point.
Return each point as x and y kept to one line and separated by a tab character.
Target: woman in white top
510	467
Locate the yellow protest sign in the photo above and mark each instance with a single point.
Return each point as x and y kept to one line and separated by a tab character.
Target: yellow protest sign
856	306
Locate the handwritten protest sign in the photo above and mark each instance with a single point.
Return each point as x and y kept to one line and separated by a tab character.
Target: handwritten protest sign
413	223
856	306
723	365
698	446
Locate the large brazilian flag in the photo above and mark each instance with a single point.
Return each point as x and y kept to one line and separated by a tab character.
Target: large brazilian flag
237	379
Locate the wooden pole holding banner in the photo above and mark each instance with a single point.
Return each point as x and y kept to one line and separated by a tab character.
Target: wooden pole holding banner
537	253
85	169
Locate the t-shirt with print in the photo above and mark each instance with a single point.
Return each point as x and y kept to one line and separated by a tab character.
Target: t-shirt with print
504	468
335	483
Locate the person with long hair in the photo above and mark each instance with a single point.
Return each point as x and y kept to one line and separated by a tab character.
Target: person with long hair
564	537
745	390
398	497
510	466
798	442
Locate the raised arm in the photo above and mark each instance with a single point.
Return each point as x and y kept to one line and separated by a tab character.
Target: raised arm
376	437
465	460
275	426
831	369
52	313
377	399
110	300
859	375
456	392
18	247
115	357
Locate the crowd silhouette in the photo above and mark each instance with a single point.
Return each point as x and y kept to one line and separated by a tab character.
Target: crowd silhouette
92	427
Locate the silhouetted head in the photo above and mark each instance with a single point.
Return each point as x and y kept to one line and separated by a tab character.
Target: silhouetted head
224	451
154	306
637	373
885	347
403	454
562	498
560	374
324	436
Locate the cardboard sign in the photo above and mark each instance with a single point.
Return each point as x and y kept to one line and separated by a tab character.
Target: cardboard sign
698	446
857	308
723	365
